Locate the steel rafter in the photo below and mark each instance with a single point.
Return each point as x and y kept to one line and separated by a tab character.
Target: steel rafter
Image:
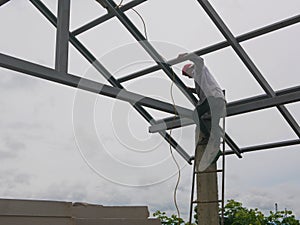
105	17
46	73
247	61
95	63
218	46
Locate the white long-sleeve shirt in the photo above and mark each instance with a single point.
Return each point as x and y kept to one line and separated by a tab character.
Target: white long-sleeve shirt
205	84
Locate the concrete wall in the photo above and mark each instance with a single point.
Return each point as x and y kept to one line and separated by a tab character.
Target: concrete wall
34	212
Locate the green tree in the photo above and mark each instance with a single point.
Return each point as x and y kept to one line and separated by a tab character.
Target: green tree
236	214
282	218
172	220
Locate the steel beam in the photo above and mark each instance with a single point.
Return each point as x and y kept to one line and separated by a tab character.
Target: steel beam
247	61
263	103
278	93
77	44
260	102
150	50
62	36
218	46
267	146
46	73
105	17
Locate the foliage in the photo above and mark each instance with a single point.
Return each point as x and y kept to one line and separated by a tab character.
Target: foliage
165	220
236	214
282	218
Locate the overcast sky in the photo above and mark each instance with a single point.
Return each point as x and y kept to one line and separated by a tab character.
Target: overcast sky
61	144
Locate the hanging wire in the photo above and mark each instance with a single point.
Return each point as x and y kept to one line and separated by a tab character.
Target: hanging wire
139	15
143	21
174	159
174	105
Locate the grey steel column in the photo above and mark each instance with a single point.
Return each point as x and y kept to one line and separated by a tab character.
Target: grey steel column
62	36
247	61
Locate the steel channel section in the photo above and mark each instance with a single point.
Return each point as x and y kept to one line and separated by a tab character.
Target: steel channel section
267	146
247	61
150	50
49	15
62	36
219	46
105	17
258	103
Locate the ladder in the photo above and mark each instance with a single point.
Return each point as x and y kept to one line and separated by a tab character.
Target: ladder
221	170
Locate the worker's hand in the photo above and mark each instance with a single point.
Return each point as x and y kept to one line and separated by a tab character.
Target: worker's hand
188	56
182	55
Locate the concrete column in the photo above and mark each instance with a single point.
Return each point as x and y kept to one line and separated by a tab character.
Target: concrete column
207	189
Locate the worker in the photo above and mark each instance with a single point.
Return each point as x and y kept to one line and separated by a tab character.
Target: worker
211	103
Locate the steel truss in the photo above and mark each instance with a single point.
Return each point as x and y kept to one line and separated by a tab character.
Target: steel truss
183	116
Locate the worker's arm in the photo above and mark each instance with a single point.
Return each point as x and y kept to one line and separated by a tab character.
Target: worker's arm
199	63
197	60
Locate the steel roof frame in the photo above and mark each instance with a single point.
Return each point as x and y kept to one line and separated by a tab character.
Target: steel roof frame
183	116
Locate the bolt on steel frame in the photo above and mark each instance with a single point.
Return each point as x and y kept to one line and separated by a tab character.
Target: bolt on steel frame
183	116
